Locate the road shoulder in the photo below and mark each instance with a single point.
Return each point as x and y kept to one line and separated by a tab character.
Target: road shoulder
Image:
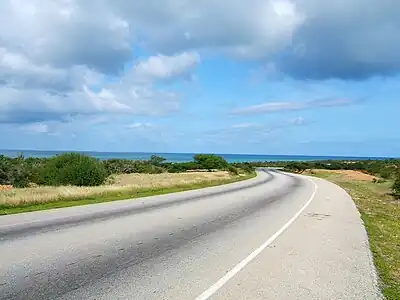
324	254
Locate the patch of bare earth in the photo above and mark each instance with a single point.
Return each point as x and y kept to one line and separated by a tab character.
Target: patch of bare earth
6	187
347	174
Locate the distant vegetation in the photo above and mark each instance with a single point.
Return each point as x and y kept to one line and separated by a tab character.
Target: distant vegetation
81	170
383	168
388	169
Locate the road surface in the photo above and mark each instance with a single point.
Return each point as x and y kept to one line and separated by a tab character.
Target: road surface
276	236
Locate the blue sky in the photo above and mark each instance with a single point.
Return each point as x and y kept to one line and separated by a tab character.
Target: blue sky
262	76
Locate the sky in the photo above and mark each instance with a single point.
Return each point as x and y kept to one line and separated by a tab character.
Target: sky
306	77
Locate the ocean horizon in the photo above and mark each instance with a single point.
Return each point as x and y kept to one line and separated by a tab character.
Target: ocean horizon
184	157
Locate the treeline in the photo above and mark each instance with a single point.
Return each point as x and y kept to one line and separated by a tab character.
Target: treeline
383	168
82	170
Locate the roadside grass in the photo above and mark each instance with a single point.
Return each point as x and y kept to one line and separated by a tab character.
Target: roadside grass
121	187
381	215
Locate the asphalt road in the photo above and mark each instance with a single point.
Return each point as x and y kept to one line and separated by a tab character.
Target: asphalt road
276	236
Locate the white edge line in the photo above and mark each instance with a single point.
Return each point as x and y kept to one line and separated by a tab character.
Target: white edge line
221	282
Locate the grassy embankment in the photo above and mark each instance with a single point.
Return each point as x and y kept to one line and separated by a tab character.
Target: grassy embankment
381	215
123	186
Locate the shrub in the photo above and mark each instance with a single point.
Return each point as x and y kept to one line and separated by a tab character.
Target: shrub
233	170
14	171
181	167
211	161
396	187
248	169
20	173
297	167
5	170
175	168
115	166
73	169
378	180
156	160
386	173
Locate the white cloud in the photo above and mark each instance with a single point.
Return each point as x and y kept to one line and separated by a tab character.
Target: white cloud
235	27
162	67
245	125
60	33
346	39
270	107
65	33
139	125
52	54
55	55
37	128
25	106
297	121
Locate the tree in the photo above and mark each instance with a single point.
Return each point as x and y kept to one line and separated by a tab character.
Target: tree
211	161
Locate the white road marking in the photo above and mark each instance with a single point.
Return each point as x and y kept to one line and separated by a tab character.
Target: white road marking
221	282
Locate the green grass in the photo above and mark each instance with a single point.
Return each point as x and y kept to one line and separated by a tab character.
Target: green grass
7	209
381	215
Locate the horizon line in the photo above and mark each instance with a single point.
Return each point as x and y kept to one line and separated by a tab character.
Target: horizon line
147	152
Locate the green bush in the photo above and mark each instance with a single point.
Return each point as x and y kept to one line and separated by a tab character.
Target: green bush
15	171
386	173
297	167
211	161
181	167
5	170
378	180
125	166
396	187
233	170
156	160
73	169
248	169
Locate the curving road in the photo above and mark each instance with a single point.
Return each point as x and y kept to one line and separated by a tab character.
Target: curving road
276	236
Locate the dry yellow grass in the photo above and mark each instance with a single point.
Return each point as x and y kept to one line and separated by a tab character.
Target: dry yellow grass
119	183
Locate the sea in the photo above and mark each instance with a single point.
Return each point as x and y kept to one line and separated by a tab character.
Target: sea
182	157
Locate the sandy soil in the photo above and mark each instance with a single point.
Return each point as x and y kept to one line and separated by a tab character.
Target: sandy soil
5	187
350	174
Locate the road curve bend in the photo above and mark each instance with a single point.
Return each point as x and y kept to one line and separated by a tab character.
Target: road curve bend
277	236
